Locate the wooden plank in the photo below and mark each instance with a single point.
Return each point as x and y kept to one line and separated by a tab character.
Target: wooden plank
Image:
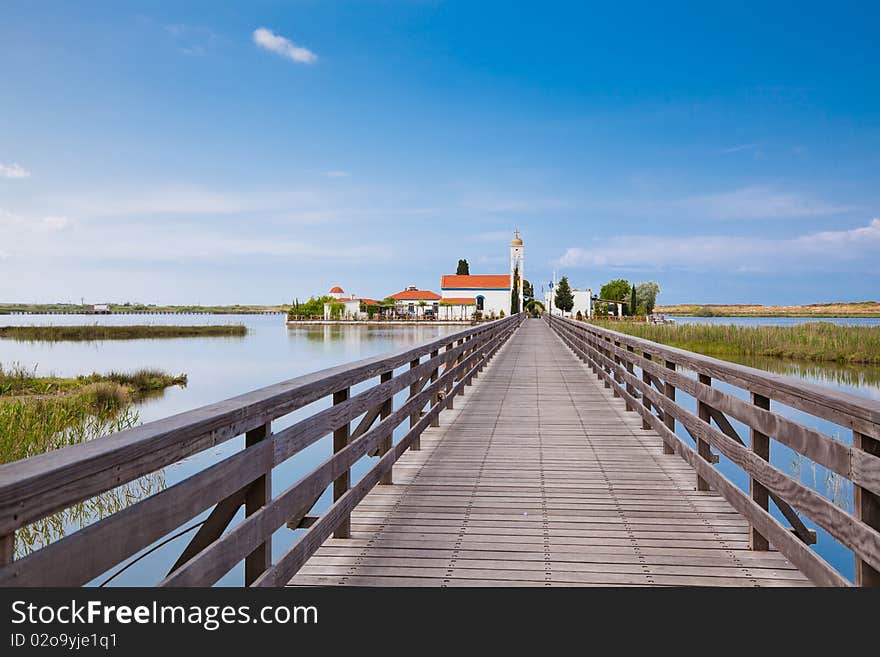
213	527
385	444
867	509
74	560
257	496
833	454
342	483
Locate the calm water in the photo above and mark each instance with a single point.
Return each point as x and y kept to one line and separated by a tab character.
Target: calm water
219	368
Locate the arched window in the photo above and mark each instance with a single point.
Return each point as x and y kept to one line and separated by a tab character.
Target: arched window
480	300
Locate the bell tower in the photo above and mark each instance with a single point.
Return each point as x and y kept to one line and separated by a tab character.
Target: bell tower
516	267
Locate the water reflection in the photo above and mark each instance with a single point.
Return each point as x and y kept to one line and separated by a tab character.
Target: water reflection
48	530
859	379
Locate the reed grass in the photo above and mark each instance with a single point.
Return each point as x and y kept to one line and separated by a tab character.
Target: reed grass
17	380
40	414
810	341
95	332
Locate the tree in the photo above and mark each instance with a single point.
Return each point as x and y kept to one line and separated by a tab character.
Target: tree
528	292
463	268
646	294
514	293
564	298
616	290
632	300
535	307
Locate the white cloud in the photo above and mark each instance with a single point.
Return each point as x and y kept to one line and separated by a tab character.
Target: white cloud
13	170
276	43
194	51
808	252
337	174
52	224
760	202
741	147
746	203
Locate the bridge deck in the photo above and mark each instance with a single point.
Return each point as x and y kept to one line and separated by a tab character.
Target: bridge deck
540	477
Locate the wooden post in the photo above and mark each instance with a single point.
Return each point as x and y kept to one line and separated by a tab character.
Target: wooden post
414	416
7	549
387	443
630	388
761	447
435	374
703	448
616	360
450	365
866	507
607	367
647	404
668	419
256	563
342	483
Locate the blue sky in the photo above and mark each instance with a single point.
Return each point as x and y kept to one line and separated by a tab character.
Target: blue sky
175	152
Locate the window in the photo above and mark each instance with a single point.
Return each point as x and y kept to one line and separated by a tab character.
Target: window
480	300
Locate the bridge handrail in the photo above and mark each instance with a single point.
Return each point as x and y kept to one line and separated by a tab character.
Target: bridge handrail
39	486
647	375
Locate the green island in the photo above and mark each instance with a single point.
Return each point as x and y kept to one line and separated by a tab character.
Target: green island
94	332
42	413
810	341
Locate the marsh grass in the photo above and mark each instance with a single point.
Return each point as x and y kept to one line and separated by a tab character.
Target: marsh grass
17	380
41	414
96	332
41	533
810	341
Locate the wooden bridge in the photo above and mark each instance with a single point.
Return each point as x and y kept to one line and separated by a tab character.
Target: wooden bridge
528	453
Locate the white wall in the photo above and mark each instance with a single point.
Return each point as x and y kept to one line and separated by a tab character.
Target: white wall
493	300
581	302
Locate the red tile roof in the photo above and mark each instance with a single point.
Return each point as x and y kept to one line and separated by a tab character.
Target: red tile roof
475	282
416	295
458	301
336	290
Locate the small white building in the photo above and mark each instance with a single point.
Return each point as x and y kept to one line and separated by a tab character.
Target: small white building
413	302
346	307
491	292
581	302
457	308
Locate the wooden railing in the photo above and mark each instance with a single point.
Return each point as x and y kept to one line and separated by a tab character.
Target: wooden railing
647	375
432	374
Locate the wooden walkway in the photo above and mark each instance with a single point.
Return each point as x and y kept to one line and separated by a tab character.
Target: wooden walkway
539	477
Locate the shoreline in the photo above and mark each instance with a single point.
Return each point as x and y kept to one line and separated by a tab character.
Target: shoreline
368	322
839	310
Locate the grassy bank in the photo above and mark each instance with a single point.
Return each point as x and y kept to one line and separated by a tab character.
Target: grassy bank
94	332
72	308
848	309
811	341
39	414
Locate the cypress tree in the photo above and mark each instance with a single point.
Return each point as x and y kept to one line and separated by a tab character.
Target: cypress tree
564	298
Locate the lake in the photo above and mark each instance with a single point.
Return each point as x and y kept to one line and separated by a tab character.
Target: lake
219	368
